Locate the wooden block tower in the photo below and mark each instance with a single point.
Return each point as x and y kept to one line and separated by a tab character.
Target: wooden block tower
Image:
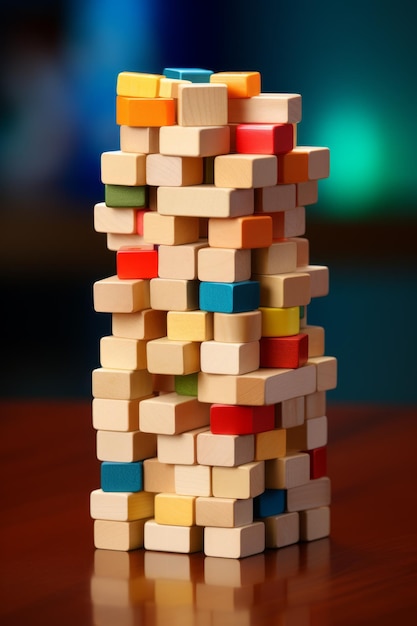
210	399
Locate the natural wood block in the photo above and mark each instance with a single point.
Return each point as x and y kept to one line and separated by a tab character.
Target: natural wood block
284	290
239	84
266	108
110	220
288	471
226	265
146	324
234	543
307	192
125	196
282	530
205	201
168	87
278	258
121	384
264	138
241	420
310	495
133	262
290	352
122	353
123	168
303	316
229	297
326	372
270	444
319	279
237	327
173	171
280	321
290	413
303	163
244	481
194	141
180	261
163	383
187	385
179	449
192	74
171	230
169	538
318	462
174	294
121	477
190	325
315	523
303	250
288	224
229	358
145	111
275	198
312	434
144	140
125	447
138	84
225	450
193	480
202	105
315	340
250	231
171	414
244	171
112	295
115	241
158	477
121	506
121	536
119	415
315	404
223	512
171	508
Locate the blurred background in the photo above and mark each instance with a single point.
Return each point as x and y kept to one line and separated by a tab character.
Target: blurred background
354	64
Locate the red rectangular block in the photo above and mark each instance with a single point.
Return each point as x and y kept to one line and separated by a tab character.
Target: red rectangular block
318	462
287	352
264	138
136	263
229	419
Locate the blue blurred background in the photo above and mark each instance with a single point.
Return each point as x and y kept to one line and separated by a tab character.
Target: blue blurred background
354	64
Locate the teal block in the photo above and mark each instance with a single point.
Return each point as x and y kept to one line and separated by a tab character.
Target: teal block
193	74
122	476
270	502
230	297
186	385
125	196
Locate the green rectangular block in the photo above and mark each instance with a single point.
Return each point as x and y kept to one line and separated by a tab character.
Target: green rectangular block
186	385
124	196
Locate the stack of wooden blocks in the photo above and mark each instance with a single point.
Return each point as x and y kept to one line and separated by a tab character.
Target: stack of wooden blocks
210	399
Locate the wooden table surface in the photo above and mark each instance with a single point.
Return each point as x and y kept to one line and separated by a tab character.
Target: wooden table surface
365	573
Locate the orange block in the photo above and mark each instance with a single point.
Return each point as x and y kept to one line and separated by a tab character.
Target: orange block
239	84
145	111
251	231
302	164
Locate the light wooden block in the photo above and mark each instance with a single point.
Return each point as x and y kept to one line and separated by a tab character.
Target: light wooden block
270	444
275	198
202	105
190	325
121	384
303	250
280	321
239	84
114	220
315	340
326	372
174	294
218	357
168	87
205	201
173	171
266	108
145	111
315	523
122	507
288	471
193	480
115	241
138	84
122	353
284	290
245	171
225	450
138	139
278	258
115	535
237	327
125	447
303	163
307	192
194	141
163	383
224	264
180	261
174	509
170	230
123	168
223	512
158	477
171	414
319	279
234	543
146	324
118	415
244	481
179	449
290	413
251	231
168	356
315	404
112	295
312	494
288	224
312	434
282	530
169	538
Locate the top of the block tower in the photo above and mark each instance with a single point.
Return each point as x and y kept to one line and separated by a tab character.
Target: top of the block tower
193	74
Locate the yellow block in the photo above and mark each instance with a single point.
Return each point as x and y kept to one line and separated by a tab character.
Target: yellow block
174	509
280	322
190	325
138	85
239	84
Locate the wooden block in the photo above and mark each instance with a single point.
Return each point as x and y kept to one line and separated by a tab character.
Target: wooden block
312	434
241	420
279	321
244	481
158	477
179	449
315	523
289	352
326	372
290	413
171	230
115	535
187	385
310	495
119	415
237	327
123	168
121	384
125	447
278	258
124	196
173	171
307	192
284	290
315	404
319	279
223	512
318	462
145	111
244	171
275	198
229	358
229	297
121	507
144	140
267	108
180	261
146	324
303	163
250	231
168	87
115	241
225	450
303	316
224	265
190	325
290	223
194	141
112	295
202	105
315	340
174	294
288	471
270	502
192	74
171	414
239	84
116	476
138	84
193	480
205	201
270	444
169	538
303	250
122	353
282	530
171	508
264	138
132	262
163	383
234	543
110	220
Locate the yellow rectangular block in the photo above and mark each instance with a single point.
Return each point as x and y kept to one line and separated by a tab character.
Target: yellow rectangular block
270	444
179	449
116	240
115	535
174	294
172	413
168	87
169	538
288	471
173	171
113	295
280	321
284	290
319	279
190	325
158	477
145	112
144	140
235	543
312	494
121	506
123	168
225	265
121	384
174	509
244	481
194	141
249	231
180	261
125	447
122	353
315	340
315	404
201	104
138	84
239	84
303	250
118	415
326	372
268	108
114	220
278	258
205	201
225	450
282	530
237	327
307	192
171	230
217	357
146	324
193	480
245	171
315	523
312	434
290	413
275	198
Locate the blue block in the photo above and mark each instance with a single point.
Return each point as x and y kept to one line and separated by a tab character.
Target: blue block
193	74
122	476
270	502
230	297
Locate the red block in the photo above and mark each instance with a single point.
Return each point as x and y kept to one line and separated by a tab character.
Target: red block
136	263
139	220
230	419
318	462
264	138
287	352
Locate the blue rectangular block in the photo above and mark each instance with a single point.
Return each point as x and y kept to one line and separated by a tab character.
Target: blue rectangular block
122	476
270	502
230	297
193	74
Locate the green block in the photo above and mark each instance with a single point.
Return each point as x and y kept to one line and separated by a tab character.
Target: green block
186	385
125	196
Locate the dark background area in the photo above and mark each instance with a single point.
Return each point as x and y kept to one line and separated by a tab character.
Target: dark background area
354	65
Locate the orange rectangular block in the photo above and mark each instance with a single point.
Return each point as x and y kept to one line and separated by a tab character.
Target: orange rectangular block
239	84
145	111
245	171
303	163
173	171
251	231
